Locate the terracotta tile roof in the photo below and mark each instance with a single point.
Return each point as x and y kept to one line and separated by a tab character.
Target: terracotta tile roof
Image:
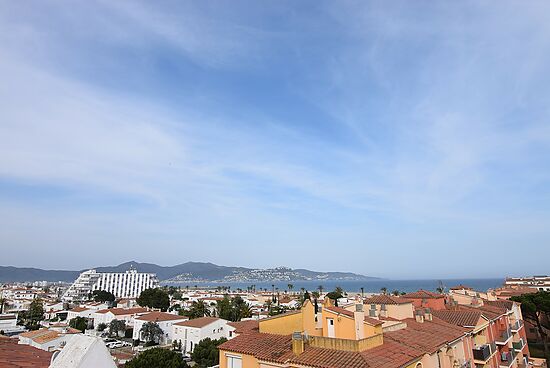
369	320
425	337
14	355
278	349
461	287
31	334
123	311
160	316
79	309
464	318
385	299
245	326
198	322
488	311
49	336
423	294
503	304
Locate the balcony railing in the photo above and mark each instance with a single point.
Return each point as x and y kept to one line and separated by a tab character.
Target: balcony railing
519	345
482	353
516	325
504	338
507	358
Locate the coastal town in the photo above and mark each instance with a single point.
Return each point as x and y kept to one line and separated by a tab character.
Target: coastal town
116	319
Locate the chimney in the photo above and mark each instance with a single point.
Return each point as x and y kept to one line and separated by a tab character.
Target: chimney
359	317
419	316
383	310
297	343
428	314
372	311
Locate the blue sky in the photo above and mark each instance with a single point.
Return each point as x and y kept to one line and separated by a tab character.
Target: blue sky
405	140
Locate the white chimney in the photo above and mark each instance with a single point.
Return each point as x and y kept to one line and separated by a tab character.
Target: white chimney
359	317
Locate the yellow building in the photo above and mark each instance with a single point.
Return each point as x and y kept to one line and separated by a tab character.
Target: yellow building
342	338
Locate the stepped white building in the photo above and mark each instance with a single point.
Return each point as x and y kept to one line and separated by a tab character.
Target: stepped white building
127	284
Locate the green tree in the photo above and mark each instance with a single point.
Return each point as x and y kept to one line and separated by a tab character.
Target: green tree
31	318
335	295
536	309
103	296
154	298
151	332
116	326
198	309
395	293
223	308
290	287
239	309
101	327
206	353
80	323
157	358
384	290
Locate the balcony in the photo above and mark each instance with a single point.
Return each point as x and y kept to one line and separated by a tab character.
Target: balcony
504	338
518	346
516	326
507	359
483	353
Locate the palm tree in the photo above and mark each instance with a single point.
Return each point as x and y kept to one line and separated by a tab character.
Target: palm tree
395	292
320	288
384	290
362	292
290	287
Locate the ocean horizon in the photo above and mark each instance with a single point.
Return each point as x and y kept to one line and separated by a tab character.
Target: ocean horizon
369	286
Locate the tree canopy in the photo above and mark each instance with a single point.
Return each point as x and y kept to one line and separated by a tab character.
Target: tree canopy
157	358
151	332
154	298
31	318
102	296
80	323
206	353
116	326
535	308
198	309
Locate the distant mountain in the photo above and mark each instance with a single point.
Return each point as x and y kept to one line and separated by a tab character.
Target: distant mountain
185	272
10	274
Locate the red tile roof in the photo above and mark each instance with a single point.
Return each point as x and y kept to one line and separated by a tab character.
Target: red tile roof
369	320
278	349
198	322
385	299
423	294
245	326
160	316
14	355
123	311
464	318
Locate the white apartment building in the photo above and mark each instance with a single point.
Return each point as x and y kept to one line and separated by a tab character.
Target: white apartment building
126	315
542	283
191	332
127	284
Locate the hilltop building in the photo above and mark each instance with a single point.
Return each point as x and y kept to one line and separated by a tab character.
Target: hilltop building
127	284
541	283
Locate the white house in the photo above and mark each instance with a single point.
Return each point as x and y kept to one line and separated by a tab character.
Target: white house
122	314
191	332
79	312
164	320
47	340
8	324
83	352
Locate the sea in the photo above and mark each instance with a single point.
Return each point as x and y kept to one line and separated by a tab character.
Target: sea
370	286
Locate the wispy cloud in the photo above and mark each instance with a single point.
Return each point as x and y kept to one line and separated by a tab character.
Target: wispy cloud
358	124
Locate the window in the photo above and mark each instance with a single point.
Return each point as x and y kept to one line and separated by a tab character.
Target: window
331	321
234	362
